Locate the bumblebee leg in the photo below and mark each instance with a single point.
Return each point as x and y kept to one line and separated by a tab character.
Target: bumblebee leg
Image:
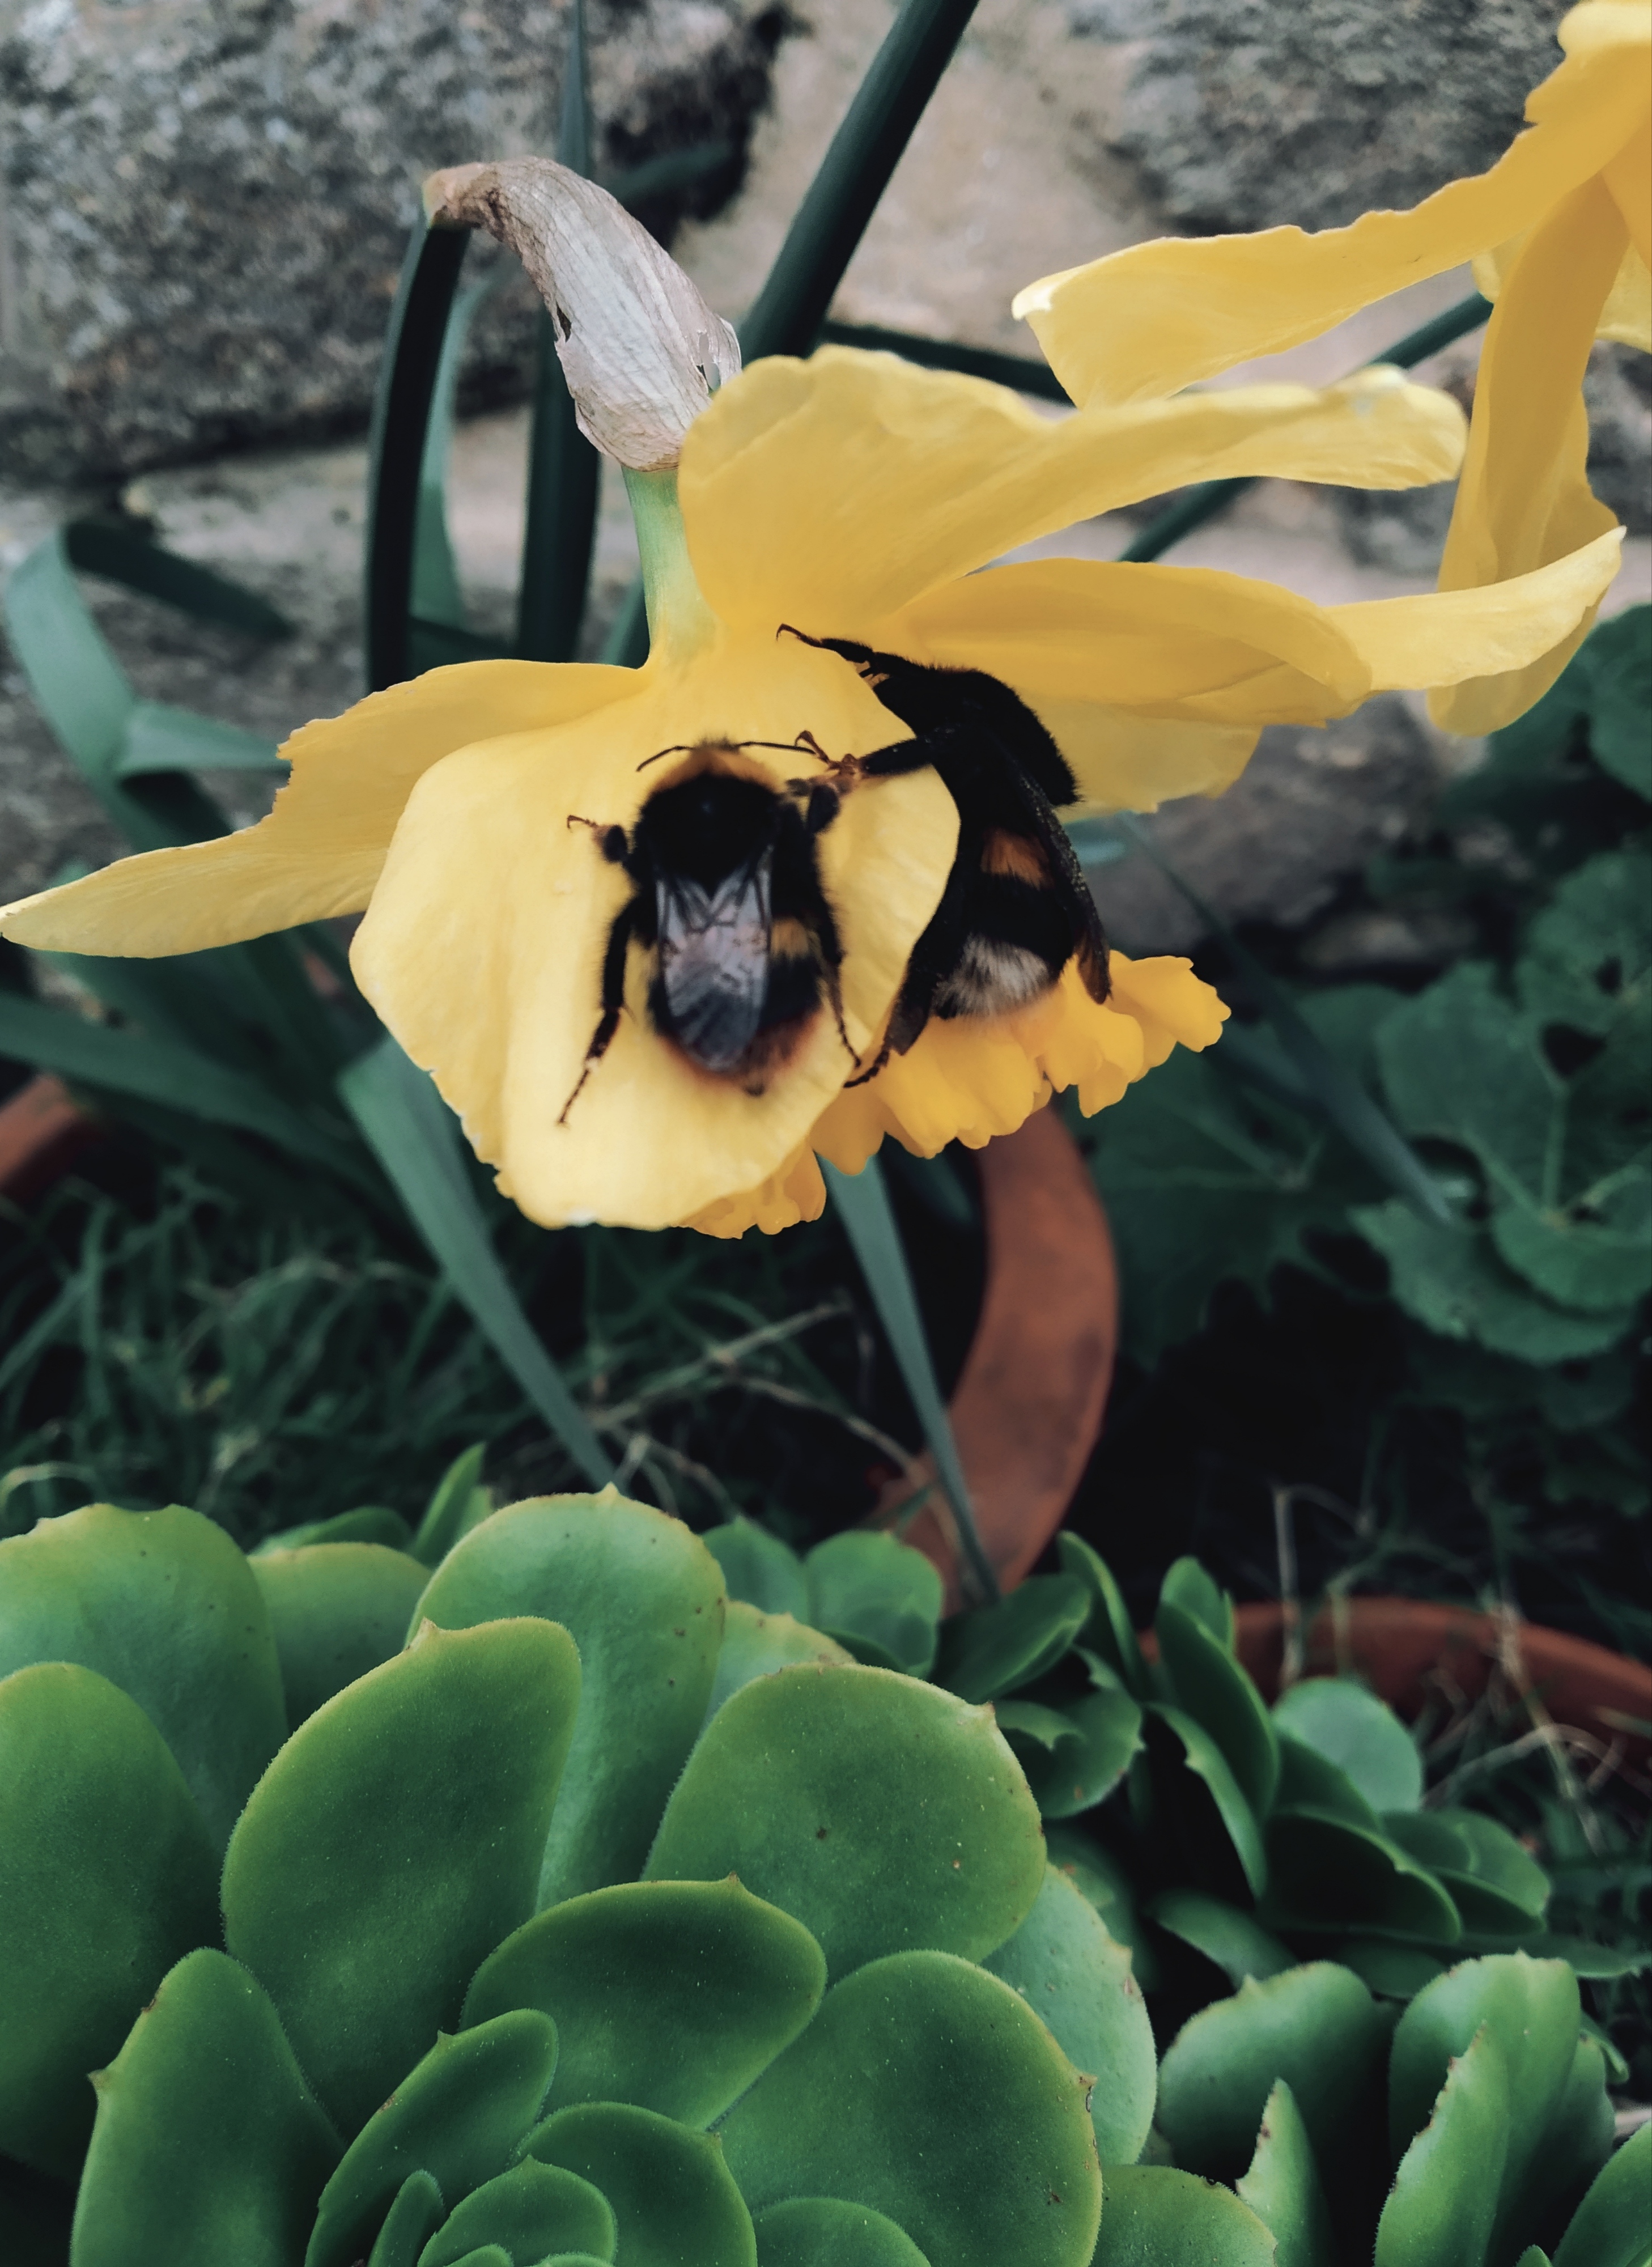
610	840
612	1000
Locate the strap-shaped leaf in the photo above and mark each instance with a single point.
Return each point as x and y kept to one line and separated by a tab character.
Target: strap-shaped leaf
564	471
163	1071
401	417
869	1222
120	551
416	1138
828	226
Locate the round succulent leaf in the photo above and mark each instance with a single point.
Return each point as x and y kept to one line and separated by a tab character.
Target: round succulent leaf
455	2118
209	2146
1078	1982
1388	1970
1529	2009
826	2232
1317	2027
672	1995
107	1877
1209	1685
1499	1862
1181	1748
1310	1781
573	2259
394	1842
1612	2227
883	1814
486	2255
873	1585
1154	2216
643	1598
756	1644
1101	1735
675	2203
926	2088
759	1568
1283	2187
1102	1882
368	1522
416	2214
1329	1874
997	1648
1345	1724
529	2211
1442	2207
1577	2140
337	1610
164	1604
1231	1940
1109	1629
1189	1588
448	1515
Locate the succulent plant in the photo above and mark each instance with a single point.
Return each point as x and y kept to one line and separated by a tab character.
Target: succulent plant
1239	1840
538	1907
1470	2134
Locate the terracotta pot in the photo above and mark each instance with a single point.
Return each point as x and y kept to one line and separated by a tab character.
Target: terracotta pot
1416	1653
1028	1404
42	1129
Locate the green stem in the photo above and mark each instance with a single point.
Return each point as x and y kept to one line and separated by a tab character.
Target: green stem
678	619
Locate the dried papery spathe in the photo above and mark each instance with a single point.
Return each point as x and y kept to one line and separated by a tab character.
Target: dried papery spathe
642	351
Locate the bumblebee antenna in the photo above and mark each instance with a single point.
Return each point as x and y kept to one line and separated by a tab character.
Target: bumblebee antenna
805	739
787	629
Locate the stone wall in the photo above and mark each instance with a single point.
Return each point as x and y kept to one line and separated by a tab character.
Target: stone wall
207	202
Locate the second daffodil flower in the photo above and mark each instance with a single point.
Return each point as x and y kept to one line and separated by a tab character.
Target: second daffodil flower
1559	234
660	943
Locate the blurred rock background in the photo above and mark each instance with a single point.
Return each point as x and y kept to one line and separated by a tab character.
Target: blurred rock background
204	203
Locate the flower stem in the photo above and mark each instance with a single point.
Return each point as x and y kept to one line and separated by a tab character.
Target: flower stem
679	620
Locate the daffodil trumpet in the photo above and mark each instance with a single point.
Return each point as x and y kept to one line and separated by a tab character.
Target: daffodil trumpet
1559	234
857	499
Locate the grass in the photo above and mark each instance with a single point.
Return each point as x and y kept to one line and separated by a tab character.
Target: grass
170	1338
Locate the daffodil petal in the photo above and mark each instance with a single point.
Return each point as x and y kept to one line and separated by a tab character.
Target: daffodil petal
483	945
1158	638
1626	316
320	851
1448	638
1629	177
1123	761
795	1192
973	1077
1157	317
1525	500
830	494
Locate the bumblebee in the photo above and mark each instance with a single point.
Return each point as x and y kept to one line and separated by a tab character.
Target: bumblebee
726	891
1016	908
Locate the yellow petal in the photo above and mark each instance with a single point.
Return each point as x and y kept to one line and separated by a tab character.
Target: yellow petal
1626	316
320	851
831	493
1629	178
483	946
1447	637
1525	500
795	1192
1123	761
973	1077
1173	641
1157	317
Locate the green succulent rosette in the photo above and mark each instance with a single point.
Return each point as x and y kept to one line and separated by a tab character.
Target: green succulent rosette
542	1907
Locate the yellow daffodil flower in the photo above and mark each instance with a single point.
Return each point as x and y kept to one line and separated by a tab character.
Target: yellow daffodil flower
1560	232
851	496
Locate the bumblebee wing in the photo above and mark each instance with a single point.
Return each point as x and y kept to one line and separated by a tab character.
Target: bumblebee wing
714	949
